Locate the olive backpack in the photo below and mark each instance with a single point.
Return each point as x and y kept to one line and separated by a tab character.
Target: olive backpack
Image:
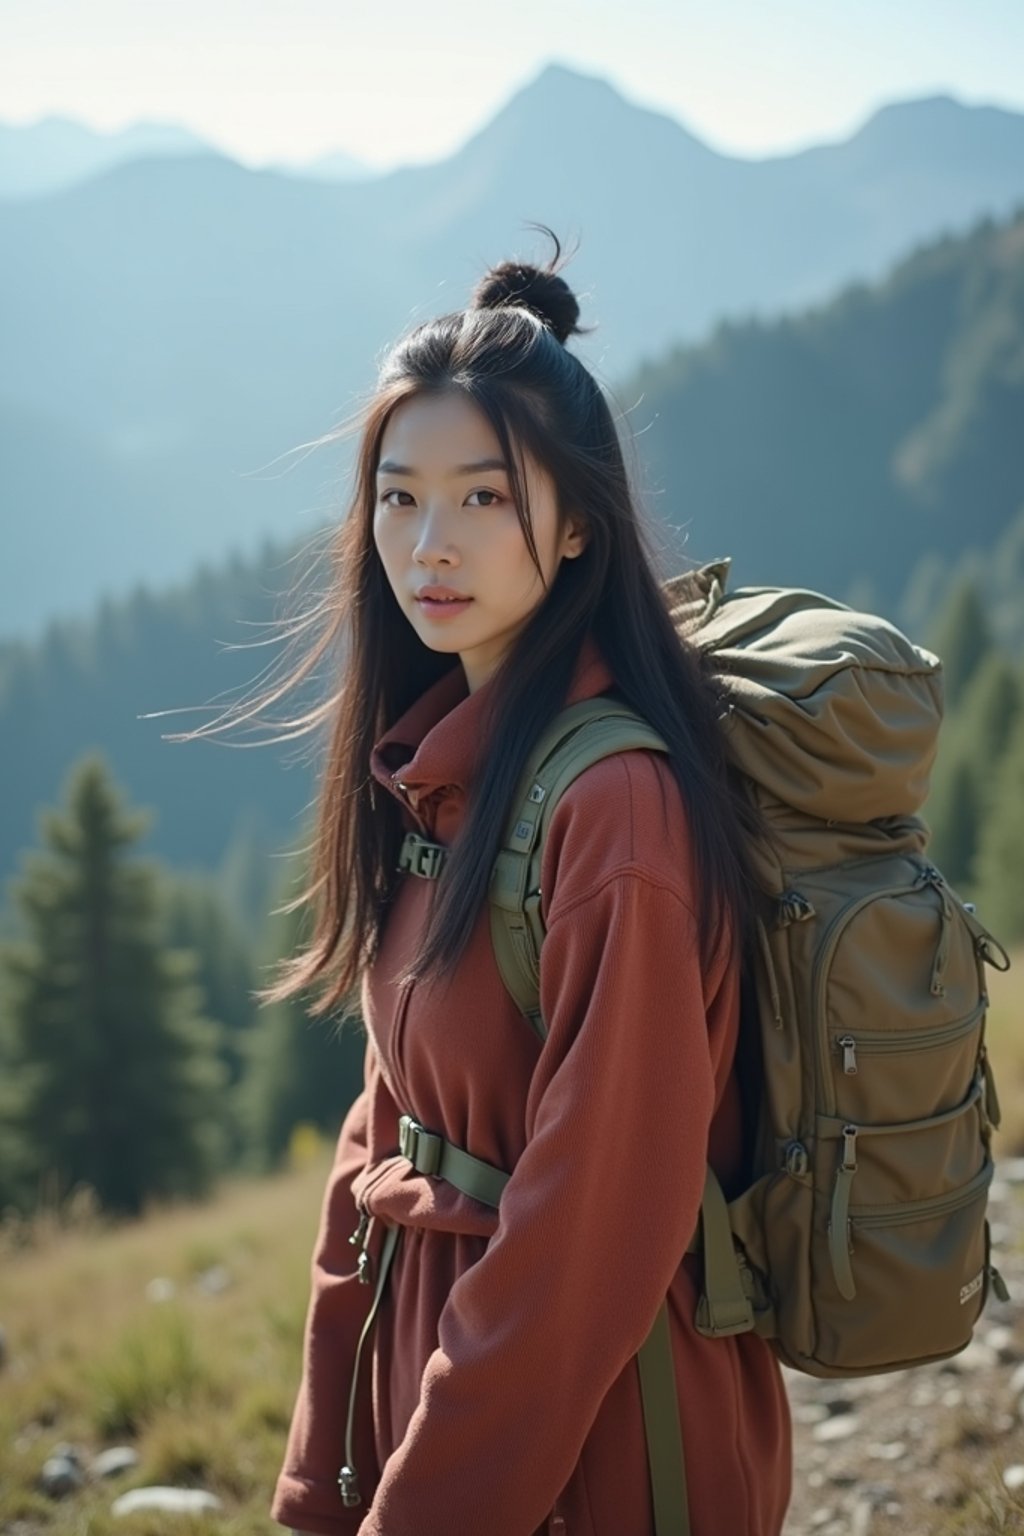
860	1242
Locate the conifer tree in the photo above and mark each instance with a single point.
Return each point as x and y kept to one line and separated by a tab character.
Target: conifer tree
112	1076
961	638
999	867
301	1069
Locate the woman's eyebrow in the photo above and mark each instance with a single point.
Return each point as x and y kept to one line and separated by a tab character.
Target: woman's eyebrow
389	467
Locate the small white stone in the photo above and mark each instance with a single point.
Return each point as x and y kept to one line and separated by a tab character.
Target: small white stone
161	1289
181	1501
888	1450
110	1463
840	1428
1013	1477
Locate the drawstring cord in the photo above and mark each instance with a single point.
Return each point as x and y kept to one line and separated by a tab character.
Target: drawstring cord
348	1478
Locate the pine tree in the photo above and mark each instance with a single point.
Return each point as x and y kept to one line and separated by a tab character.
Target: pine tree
961	638
112	1077
196	917
952	817
999	867
972	743
301	1069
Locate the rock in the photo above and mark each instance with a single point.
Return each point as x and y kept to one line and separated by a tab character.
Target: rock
161	1289
214	1280
1003	1344
178	1501
62	1473
839	1428
862	1518
809	1413
977	1356
837	1403
1013	1477
109	1463
891	1450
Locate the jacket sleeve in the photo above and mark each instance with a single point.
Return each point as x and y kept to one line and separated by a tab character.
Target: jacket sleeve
593	1222
306	1496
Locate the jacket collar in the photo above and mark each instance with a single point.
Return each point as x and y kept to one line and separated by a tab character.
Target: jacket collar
438	741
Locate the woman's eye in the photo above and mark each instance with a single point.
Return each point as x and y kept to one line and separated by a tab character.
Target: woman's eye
397	491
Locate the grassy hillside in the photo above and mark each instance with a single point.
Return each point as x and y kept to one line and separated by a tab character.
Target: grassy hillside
202	1383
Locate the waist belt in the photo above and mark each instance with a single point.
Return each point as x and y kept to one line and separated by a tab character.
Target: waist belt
724	1308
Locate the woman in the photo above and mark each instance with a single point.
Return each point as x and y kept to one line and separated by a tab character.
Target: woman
493	569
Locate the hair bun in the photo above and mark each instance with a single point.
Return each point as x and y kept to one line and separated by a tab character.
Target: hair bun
545	293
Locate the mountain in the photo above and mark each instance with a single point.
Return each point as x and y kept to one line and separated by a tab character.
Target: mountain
870	449
58	152
834	449
179	330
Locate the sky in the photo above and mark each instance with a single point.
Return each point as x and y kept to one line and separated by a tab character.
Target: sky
405	82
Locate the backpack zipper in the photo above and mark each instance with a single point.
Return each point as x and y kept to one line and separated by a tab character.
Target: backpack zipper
838	1224
877	1040
831	938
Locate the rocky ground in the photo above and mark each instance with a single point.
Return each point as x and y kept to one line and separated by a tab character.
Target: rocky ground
937	1449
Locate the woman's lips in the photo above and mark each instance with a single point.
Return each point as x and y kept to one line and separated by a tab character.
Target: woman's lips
443	610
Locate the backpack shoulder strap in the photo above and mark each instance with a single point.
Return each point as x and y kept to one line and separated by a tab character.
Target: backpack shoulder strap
582	734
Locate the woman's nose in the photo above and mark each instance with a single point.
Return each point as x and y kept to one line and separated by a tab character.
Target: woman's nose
433	541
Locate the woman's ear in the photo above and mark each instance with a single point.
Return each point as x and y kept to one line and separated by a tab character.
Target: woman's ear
574	539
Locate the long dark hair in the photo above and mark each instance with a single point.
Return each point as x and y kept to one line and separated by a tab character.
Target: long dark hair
506	353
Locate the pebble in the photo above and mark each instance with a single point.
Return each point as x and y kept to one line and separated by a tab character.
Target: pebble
62	1473
109	1463
839	1428
809	1413
1002	1342
161	1289
179	1501
890	1450
1013	1477
214	1280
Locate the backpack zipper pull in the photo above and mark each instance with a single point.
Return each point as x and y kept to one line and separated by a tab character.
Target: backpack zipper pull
849	1046
998	1283
992	1111
839	1221
933	877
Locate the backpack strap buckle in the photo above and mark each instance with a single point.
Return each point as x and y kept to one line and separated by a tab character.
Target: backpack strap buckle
419	856
420	1146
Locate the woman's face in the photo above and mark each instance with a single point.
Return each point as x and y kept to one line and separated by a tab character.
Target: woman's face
449	522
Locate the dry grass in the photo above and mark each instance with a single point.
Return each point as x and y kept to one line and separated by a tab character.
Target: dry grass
201	1384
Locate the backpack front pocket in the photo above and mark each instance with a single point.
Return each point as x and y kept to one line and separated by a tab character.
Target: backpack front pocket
885	1072
919	1275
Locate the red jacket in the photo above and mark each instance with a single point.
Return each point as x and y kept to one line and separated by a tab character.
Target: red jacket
503	1376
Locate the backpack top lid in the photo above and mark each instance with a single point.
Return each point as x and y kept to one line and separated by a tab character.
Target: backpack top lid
833	712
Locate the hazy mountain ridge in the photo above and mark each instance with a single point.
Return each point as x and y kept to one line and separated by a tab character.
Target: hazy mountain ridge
198	319
781	444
